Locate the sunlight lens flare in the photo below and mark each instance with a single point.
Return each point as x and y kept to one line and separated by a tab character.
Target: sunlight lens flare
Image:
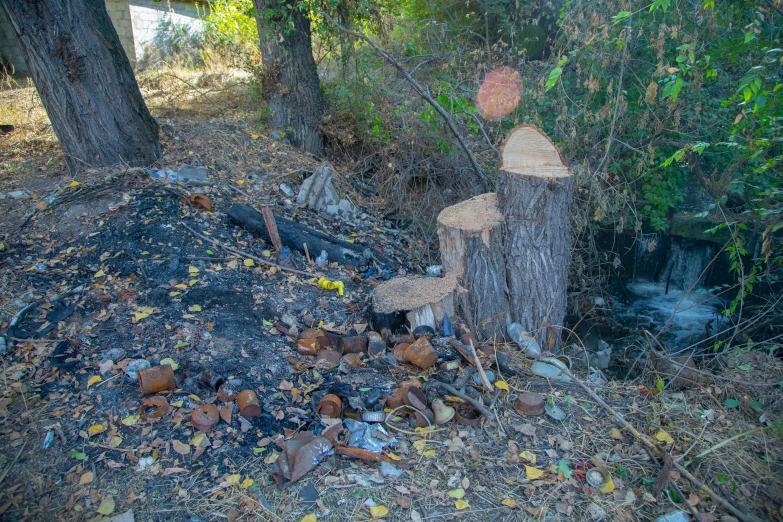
499	93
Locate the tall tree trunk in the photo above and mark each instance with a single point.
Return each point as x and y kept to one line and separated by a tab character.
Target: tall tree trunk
291	86
85	81
534	196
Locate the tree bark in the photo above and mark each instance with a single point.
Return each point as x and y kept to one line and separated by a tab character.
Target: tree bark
291	87
534	196
85	81
471	247
415	300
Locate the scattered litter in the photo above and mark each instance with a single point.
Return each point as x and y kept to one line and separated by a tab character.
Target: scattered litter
19	194
554	368
391	471
526	343
332	285
156	378
434	270
133	367
370	437
554	411
674	516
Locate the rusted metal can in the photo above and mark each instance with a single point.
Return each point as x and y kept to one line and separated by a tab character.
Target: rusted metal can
247	400
353	344
307	346
211	380
156	378
422	354
330	406
529	404
205	417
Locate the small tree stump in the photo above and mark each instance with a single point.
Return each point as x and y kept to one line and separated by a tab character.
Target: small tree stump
534	196
415	299
471	247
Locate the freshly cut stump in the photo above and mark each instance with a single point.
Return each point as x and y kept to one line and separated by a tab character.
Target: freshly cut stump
534	195
471	247
416	299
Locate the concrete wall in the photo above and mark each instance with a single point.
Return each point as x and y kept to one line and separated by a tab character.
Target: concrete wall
137	23
149	17
9	47
120	15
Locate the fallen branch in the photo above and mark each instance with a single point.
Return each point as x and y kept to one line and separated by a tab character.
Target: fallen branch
245	254
452	390
662	454
483	180
21	314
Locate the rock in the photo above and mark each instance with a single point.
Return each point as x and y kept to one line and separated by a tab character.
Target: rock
332	209
317	191
132	369
285	189
189	173
691	225
345	207
19	194
115	354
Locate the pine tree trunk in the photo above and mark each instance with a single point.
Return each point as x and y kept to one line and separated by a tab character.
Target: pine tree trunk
291	87
534	196
85	81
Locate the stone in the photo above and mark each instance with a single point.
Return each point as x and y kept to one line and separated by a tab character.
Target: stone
188	173
132	369
18	194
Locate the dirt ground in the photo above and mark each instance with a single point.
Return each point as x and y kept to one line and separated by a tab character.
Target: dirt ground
72	444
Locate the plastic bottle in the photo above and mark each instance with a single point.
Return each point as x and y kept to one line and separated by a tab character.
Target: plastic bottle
323	259
527	344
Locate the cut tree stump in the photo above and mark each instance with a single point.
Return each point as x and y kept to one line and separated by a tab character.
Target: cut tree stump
416	299
295	236
534	195
471	247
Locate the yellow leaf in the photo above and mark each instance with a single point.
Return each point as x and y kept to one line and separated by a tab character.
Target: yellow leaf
192	282
309	518
249	262
130	420
420	444
182	286
95	379
234	479
616	434
461	504
662	436
96	429
241	181
74	184
195	397
528	456
533	473
99	274
177	404
193	270
171	362
194	308
608	487
198	439
508	502
456	493
502	385
246	483
180	447
379	511
115	441
255	136
107	506
393	456
429	453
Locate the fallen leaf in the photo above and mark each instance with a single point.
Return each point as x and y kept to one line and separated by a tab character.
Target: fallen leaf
502	385
115	441
533	473
96	429
193	270
420	444
95	379
171	362
461	504
198	439
309	518
233	480
509	502
249	262
616	434
130	420
180	447
246	483
428	453
608	487
194	308
456	493
379	511
99	274
107	505
528	456
255	137
662	436
86	478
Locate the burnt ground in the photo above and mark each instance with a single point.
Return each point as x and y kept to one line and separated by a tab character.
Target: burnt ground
149	294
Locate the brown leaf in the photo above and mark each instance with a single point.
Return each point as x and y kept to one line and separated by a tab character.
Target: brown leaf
180	447
404	502
86	478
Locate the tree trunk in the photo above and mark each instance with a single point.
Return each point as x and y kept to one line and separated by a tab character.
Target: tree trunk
471	247
85	82
290	86
413	301
534	196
